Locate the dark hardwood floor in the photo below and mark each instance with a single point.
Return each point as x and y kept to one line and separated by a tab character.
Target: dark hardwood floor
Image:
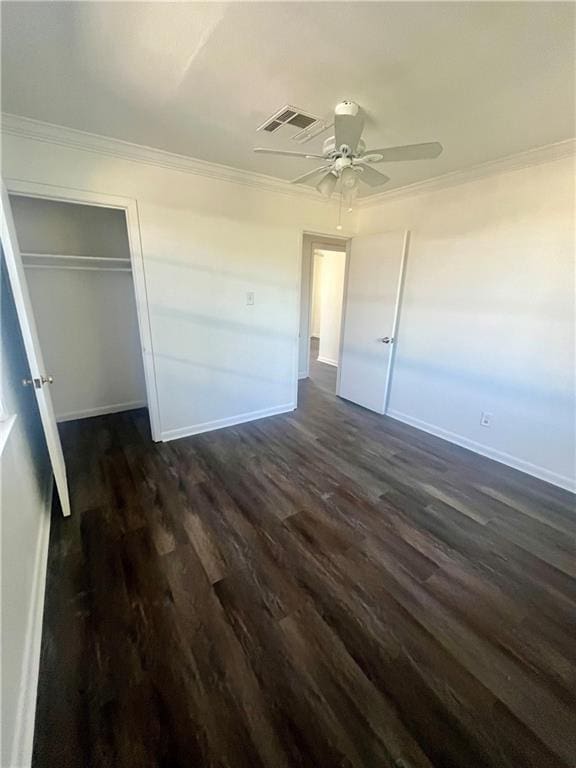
322	374
327	588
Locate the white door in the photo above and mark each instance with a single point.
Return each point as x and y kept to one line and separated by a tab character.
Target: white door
375	271
38	372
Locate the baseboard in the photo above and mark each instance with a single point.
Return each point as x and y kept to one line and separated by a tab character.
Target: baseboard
302	375
210	426
569	484
101	410
21	755
328	361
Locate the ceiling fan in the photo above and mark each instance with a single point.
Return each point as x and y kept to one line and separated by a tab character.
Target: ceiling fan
346	159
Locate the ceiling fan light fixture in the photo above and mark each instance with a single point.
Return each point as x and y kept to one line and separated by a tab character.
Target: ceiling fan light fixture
349	178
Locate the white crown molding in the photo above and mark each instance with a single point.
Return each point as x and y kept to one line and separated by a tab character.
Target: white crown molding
39	130
536	156
50	133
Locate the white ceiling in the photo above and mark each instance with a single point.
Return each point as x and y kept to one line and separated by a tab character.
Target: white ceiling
486	79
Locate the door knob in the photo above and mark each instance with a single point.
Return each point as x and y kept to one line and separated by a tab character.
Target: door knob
38	382
386	339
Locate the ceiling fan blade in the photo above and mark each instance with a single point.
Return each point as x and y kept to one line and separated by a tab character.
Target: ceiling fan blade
371	176
426	151
289	153
310	174
348	129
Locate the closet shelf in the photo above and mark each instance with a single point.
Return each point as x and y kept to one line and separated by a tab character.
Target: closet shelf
69	261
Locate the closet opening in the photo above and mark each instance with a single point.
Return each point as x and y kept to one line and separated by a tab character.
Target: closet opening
78	269
322	297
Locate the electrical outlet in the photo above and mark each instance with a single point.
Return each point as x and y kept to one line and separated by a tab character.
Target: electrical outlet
250	299
485	419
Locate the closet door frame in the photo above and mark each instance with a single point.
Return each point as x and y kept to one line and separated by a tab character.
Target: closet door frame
130	208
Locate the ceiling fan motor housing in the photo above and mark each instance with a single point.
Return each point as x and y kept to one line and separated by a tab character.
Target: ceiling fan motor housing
330	147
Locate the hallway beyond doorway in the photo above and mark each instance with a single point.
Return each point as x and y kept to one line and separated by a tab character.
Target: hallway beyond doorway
322	374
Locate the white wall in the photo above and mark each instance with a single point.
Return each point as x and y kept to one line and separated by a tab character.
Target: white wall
25	491
316	295
206	242
86	320
330	280
487	320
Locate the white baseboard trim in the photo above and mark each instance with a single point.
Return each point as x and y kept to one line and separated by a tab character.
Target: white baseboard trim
102	410
210	426
541	473
21	754
328	361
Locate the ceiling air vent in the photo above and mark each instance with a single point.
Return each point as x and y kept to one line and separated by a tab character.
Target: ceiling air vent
291	118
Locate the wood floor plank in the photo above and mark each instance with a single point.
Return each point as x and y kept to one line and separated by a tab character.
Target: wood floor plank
327	588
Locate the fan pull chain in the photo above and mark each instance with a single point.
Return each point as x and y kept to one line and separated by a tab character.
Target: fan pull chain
339	225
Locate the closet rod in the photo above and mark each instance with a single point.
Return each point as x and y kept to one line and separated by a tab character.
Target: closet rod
69	256
80	269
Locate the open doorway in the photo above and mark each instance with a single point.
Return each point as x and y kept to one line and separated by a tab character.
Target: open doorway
326	316
323	278
78	270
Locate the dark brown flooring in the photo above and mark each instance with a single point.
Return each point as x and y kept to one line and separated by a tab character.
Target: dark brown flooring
326	588
323	375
